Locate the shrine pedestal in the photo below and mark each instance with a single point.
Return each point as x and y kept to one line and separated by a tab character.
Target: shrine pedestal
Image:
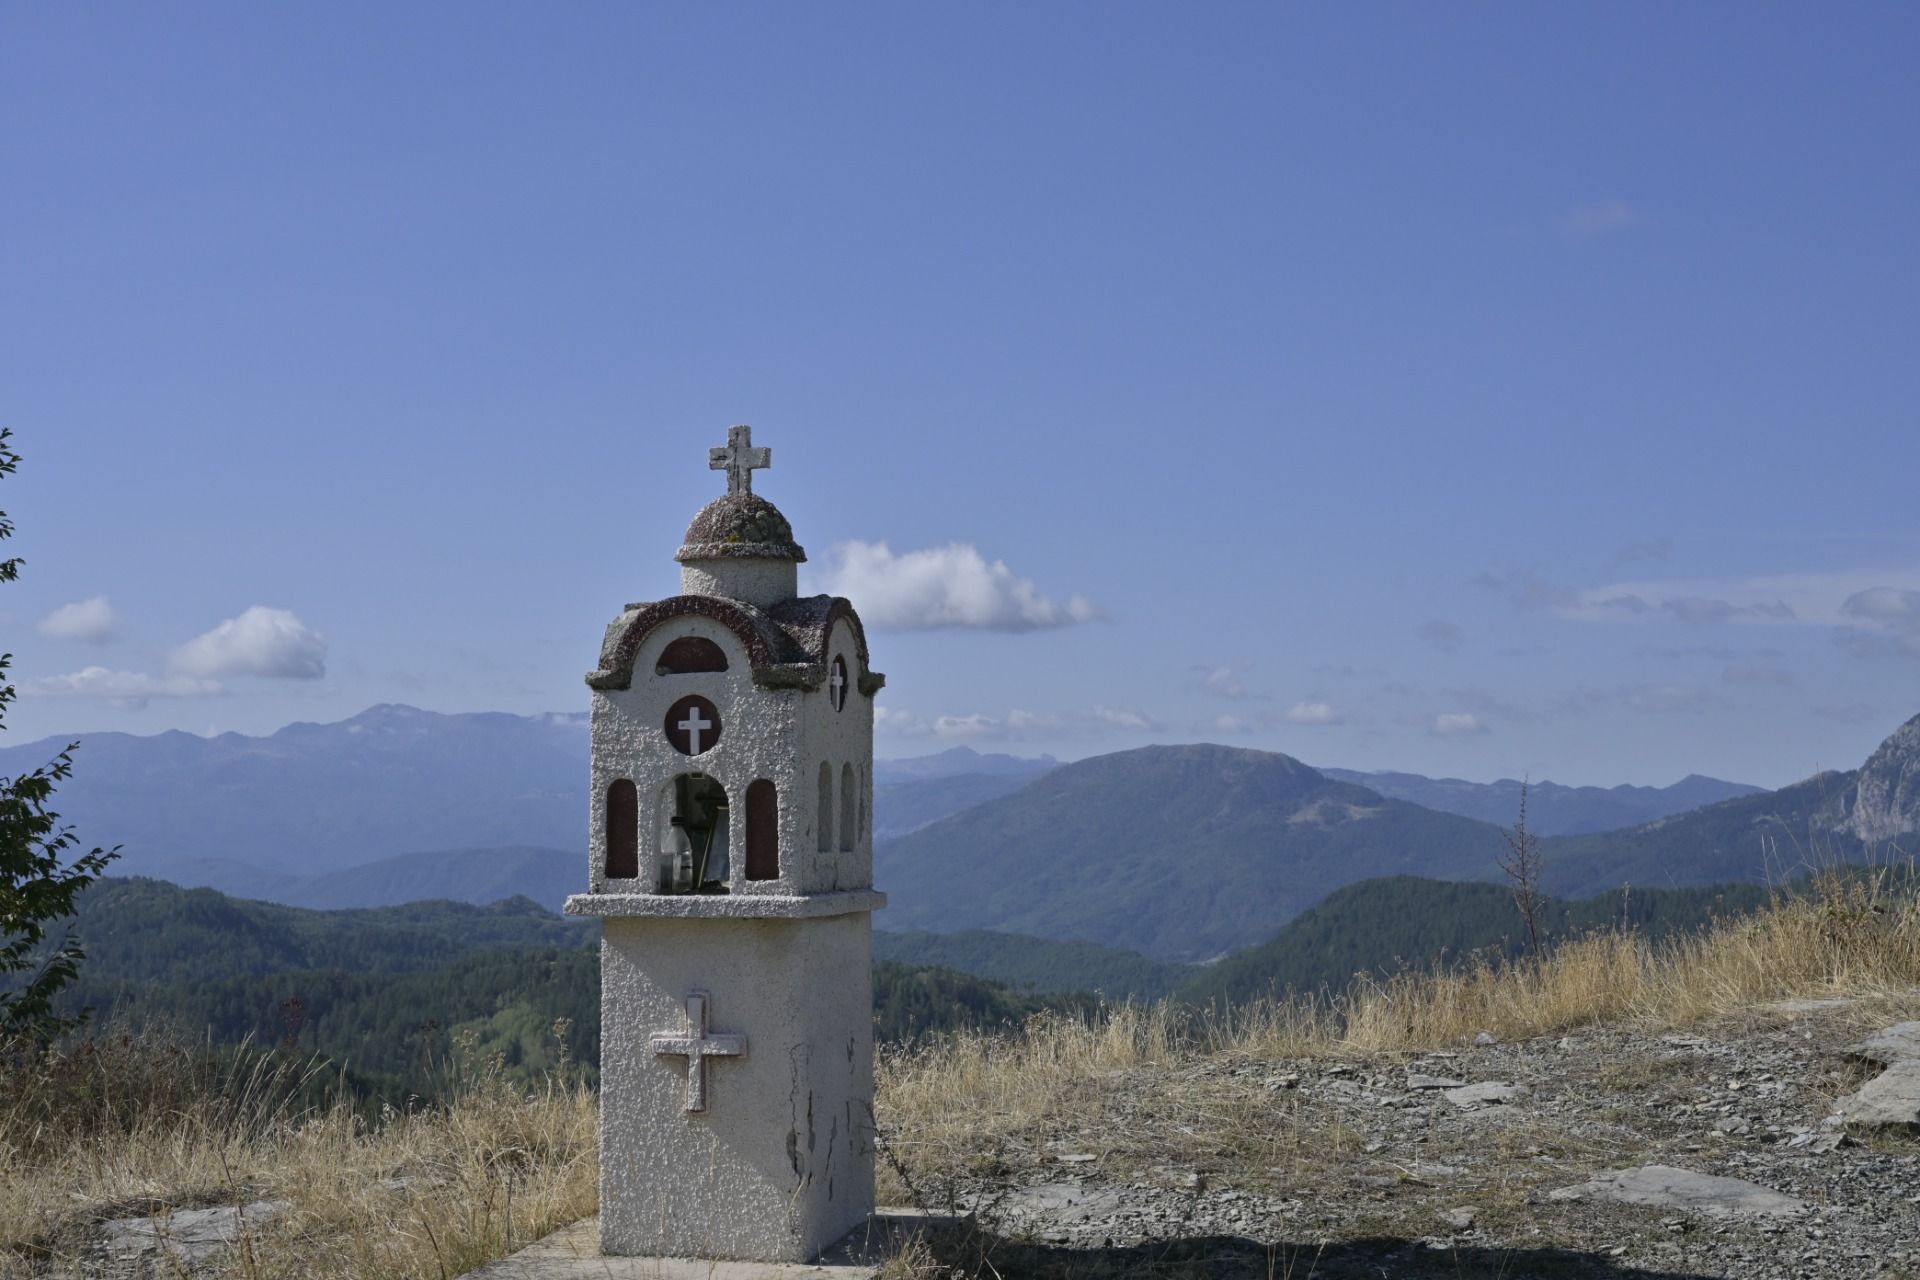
736	1085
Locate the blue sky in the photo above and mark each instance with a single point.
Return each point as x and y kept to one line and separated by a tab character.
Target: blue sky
1464	389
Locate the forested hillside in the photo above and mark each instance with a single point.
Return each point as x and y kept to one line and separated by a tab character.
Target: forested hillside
141	931
387	993
1036	964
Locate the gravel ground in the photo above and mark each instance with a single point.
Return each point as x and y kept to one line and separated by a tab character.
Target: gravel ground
1447	1164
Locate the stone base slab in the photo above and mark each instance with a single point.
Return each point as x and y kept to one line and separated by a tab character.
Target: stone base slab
573	1253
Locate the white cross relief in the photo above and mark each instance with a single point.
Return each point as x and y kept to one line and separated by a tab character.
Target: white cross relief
739	459
696	1046
837	692
693	726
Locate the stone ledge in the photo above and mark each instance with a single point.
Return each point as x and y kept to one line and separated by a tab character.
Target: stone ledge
573	1253
726	906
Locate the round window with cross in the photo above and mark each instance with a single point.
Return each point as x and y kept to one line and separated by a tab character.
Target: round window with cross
693	725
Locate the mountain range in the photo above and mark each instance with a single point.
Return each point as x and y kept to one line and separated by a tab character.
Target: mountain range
1185	853
477	876
1552	809
312	798
1182	853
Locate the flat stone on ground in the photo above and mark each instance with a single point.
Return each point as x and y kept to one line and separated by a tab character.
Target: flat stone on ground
1484	1094
1663	1187
1890	1100
190	1235
1898	1043
1044	1204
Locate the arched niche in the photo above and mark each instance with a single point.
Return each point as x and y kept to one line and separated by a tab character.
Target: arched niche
849	809
622	826
823	819
693	836
763	830
690	655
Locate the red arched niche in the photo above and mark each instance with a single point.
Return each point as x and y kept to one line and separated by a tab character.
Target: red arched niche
688	655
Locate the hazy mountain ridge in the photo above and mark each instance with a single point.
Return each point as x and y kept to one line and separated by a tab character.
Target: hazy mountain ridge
1552	809
338	815
903	807
957	761
1773	836
1182	853
313	798
477	876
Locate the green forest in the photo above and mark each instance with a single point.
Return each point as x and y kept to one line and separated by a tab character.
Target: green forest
393	996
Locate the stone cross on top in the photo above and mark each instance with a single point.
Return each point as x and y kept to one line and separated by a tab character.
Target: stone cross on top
696	1044
739	459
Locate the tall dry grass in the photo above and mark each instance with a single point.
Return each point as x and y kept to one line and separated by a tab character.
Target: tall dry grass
137	1125
1850	935
955	1105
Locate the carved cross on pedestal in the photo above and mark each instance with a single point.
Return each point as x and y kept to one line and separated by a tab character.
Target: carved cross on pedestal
739	459
696	1046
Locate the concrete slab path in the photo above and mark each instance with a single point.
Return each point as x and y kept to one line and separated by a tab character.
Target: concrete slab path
573	1253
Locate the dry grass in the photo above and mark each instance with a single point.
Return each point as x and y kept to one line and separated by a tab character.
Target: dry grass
1851	936
140	1125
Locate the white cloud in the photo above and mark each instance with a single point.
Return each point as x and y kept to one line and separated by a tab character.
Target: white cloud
1457	724
1019	724
132	688
1889	606
973	726
1888	621
92	620
260	642
1223	681
1885	600
949	586
888	720
1583	222
1312	713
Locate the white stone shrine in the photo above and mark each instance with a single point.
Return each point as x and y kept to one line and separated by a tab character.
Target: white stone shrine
732	867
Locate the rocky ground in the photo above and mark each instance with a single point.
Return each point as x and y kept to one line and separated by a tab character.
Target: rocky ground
1783	1143
1747	1149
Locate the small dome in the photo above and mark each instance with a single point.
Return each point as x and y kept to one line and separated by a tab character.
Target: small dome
740	526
